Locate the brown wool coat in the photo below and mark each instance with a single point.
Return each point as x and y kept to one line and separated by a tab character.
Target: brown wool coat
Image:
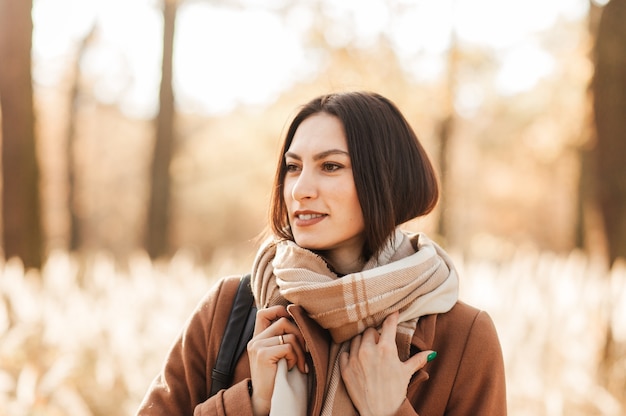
466	378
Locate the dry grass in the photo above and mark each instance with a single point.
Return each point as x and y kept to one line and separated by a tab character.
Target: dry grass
555	316
85	338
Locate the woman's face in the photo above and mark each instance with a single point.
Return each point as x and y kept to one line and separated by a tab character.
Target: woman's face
320	195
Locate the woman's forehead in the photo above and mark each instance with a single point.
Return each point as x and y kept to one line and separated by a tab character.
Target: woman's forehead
319	133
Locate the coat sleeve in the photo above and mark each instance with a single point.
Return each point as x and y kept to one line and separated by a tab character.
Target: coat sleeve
233	401
480	386
182	386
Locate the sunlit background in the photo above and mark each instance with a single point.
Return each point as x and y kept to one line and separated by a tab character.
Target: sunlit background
250	52
497	90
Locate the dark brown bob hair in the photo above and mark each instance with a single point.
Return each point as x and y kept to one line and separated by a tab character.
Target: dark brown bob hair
394	178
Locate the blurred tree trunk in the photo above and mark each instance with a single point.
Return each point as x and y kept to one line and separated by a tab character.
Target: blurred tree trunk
75	224
157	224
609	105
589	229
446	131
21	220
609	91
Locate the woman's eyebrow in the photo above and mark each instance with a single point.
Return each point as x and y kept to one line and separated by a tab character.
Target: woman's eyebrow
320	155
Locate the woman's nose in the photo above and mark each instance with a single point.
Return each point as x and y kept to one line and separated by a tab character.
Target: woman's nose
304	186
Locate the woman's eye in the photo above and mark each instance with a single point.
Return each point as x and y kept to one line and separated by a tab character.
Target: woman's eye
330	167
291	167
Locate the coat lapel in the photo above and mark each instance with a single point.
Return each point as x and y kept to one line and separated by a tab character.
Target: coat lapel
317	340
423	340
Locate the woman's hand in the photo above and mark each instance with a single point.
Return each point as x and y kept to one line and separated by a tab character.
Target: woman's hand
374	376
275	337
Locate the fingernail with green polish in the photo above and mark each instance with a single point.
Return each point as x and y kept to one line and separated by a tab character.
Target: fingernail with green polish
431	356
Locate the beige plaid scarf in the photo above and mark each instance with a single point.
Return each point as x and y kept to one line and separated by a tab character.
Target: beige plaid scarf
412	275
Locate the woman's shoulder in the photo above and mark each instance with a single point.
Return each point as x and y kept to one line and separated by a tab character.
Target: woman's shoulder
466	320
462	310
464	314
454	327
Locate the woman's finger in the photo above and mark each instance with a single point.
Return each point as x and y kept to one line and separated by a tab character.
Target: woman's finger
287	326
282	336
265	352
265	317
419	360
370	336
294	353
390	327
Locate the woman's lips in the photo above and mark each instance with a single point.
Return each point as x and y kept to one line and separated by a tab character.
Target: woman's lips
308	218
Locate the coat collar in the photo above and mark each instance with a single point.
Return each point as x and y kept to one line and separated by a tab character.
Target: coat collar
424	335
423	339
317	340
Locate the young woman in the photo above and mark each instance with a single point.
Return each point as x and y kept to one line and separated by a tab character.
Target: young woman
352	310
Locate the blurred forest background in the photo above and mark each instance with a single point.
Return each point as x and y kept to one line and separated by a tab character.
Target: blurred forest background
139	139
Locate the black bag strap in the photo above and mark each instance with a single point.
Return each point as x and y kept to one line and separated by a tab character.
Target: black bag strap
238	332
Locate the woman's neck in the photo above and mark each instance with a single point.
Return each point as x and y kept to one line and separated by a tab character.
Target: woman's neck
343	266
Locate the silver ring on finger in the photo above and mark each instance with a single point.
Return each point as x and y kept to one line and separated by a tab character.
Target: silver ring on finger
281	340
